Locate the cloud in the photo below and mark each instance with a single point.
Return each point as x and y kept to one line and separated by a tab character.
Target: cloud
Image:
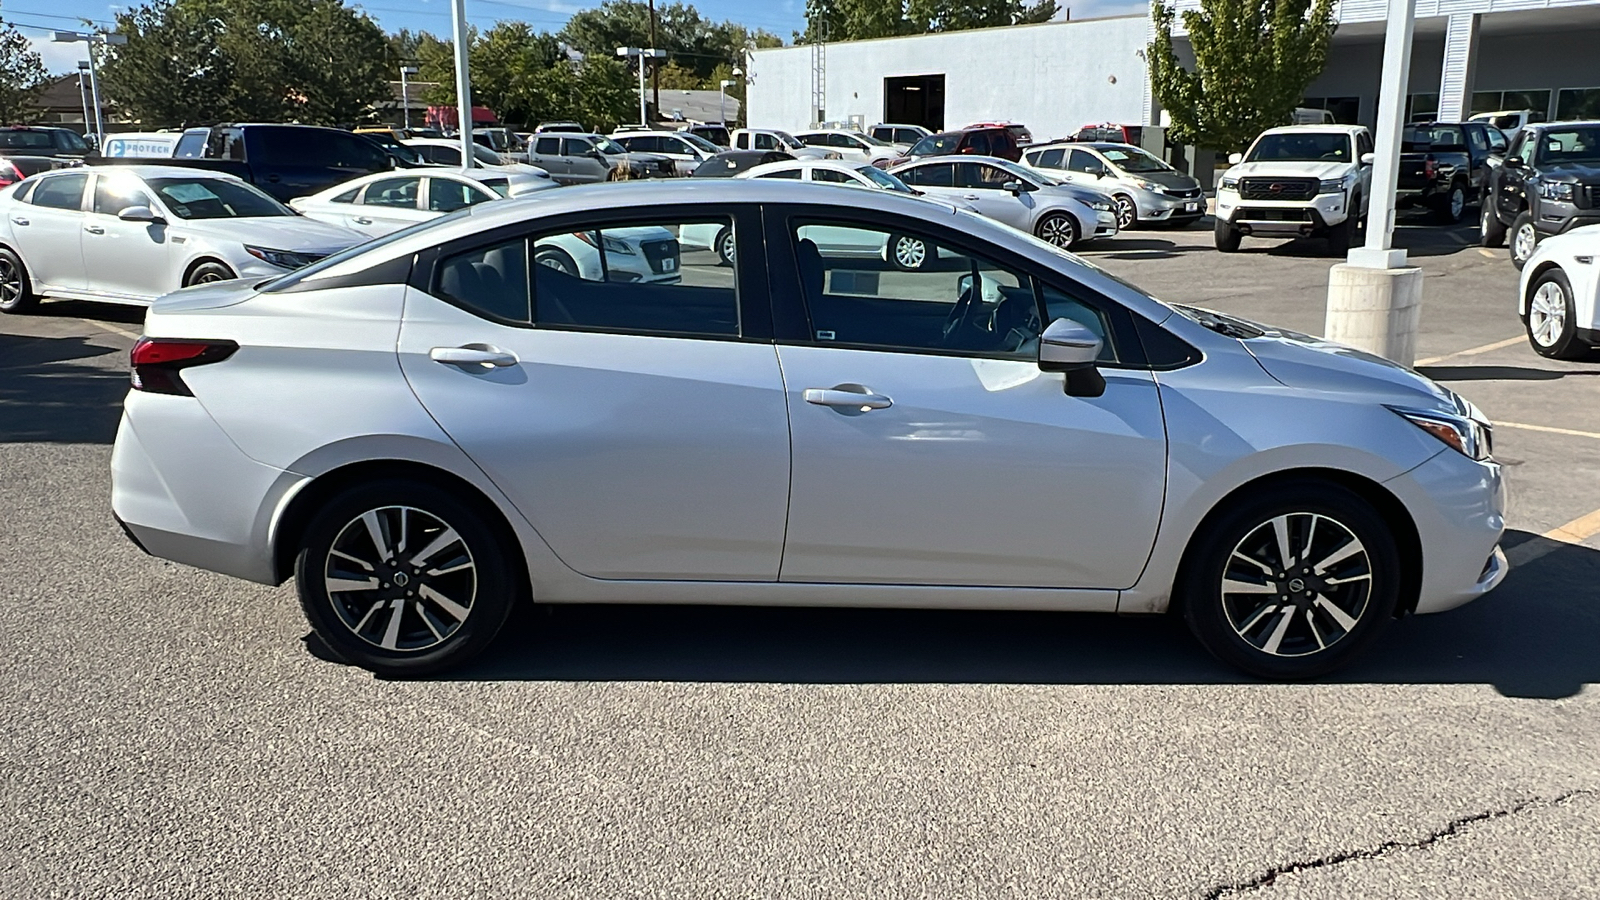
59	59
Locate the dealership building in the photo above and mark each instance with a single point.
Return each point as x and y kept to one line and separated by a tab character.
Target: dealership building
1467	56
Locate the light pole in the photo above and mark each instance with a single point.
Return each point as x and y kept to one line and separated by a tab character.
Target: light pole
405	93
722	100
101	38
83	91
643	53
463	83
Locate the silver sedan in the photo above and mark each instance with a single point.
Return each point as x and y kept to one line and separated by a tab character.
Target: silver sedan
1025	199
430	429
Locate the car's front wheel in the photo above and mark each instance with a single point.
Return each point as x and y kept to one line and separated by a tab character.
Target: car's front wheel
725	246
1524	239
909	254
1227	237
404	578
1127	212
1491	232
16	293
1552	318
1059	229
209	272
1292	582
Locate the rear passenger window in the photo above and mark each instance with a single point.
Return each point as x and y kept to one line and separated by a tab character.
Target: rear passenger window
1050	159
650	277
489	280
60	192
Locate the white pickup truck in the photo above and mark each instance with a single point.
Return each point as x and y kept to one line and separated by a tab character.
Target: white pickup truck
1297	181
772	139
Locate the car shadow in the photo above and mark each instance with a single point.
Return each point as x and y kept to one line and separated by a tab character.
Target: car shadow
1415	237
47	395
86	309
1499	373
1534	637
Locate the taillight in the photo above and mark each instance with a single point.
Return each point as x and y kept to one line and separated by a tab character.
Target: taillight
156	362
1429	166
9	176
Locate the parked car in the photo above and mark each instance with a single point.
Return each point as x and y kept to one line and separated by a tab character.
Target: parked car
1559	300
462	426
1509	121
767	139
404	156
38	140
978	142
902	136
143	145
851	145
1548	184
14	168
1026	199
1444	166
1298	180
1019	133
286	161
129	234
388	201
582	158
447	152
715	132
729	163
503	141
1109	133
1144	188
560	127
686	149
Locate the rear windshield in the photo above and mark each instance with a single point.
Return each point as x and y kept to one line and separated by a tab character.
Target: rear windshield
937	144
1422	138
30	165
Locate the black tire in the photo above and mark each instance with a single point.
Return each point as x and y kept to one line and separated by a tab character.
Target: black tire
209	272
1267	632
16	290
1491	231
401	634
556	258
1450	208
1342	235
908	253
1524	236
1552	318
1060	229
724	245
1127	212
1227	237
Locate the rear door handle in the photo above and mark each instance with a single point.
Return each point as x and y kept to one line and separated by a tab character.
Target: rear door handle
94	229
970	197
474	355
852	399
18	220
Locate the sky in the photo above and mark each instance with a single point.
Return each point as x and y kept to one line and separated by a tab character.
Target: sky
37	18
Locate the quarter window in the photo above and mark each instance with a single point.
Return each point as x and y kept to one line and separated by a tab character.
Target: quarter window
61	192
449	195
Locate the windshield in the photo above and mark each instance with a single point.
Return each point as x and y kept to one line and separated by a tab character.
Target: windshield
936	144
699	142
884	180
608	146
870	139
1302	146
501	186
1569	144
1024	172
789	140
1133	159
215	198
389	142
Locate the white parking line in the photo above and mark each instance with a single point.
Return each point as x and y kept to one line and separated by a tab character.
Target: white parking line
1575	532
1546	428
106	326
1470	352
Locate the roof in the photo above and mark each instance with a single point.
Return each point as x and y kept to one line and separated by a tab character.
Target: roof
160	171
1312	129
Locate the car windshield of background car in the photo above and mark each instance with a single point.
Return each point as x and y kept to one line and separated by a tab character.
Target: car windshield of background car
1324	146
936	145
885	180
484	155
1026	174
1133	159
608	146
869	139
389	142
699	142
25	140
789	140
1569	145
214	198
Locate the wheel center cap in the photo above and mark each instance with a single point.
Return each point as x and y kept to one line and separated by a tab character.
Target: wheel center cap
1295	585
401	579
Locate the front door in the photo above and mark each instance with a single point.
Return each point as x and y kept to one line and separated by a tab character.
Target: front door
1510	198
582	166
640	427
49	232
982	185
546	154
929	448
126	259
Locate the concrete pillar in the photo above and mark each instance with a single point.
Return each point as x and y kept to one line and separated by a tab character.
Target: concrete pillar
1460	67
1376	310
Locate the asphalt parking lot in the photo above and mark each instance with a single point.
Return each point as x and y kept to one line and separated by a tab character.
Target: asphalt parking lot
168	732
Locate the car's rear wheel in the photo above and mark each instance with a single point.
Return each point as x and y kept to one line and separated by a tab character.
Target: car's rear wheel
403	578
1552	318
1127	212
1491	233
1524	239
556	258
16	292
209	272
1452	206
909	254
725	246
1228	237
1292	582
1059	229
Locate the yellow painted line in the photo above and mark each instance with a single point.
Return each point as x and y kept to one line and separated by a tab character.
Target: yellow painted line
1575	532
1497	345
107	326
1489	253
1547	429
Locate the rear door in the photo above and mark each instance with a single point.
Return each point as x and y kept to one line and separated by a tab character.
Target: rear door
640	427
389	204
49	231
546	154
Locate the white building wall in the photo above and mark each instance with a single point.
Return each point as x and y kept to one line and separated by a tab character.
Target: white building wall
1054	78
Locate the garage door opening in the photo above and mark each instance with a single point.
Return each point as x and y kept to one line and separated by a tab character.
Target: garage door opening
914	100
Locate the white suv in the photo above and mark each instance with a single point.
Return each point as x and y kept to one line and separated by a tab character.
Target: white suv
1299	180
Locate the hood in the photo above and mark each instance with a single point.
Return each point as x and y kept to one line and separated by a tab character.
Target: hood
1167	179
1302	361
1581	172
646	158
1320	170
1078	192
294	233
814	153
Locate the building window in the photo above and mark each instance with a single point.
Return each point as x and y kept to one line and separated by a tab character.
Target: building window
1422	107
1346	110
1494	101
1578	103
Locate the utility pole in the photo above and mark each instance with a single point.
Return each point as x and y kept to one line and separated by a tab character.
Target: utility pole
463	83
655	77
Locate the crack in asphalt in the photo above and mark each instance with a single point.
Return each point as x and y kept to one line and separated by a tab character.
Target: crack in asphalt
1450	830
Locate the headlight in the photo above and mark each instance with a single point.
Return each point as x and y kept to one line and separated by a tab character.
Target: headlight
1331	186
1556	190
1469	437
1229	183
611	244
1100	206
283	259
1149	186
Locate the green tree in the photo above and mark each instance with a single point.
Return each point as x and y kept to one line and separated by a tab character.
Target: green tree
851	20
1253	60
691	40
21	76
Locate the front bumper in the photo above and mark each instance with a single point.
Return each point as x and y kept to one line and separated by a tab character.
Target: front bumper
1163	207
1458	506
1289	218
1105	225
1560	218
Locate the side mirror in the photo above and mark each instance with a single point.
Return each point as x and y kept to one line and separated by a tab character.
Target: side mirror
1367	159
1102	172
1235	158
1014	186
1513	162
1069	347
140	214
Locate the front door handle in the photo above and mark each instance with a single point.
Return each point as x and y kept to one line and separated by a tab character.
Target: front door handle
970	197
94	229
847	396
474	355
18	220
363	220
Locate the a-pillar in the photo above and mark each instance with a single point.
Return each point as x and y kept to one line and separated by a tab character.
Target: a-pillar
1460	67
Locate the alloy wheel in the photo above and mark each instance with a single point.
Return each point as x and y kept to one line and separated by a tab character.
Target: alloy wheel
910	253
400	579
1296	584
1127	213
726	248
1547	314
1526	240
1058	230
1458	204
10	282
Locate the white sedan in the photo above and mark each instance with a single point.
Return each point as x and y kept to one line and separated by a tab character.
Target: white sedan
447	152
1560	295
129	234
386	201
